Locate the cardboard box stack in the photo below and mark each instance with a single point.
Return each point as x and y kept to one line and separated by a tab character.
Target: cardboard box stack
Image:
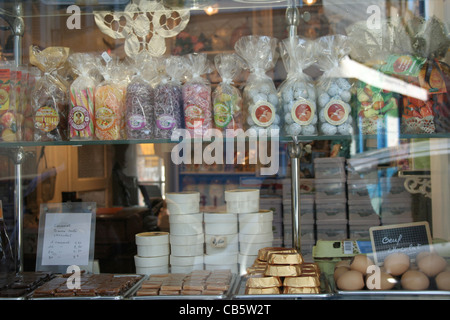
330	198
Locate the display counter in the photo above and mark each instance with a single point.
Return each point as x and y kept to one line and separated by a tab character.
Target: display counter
316	128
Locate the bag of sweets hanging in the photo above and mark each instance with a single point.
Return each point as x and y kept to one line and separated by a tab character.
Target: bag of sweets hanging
110	103
424	67
139	100
377	109
261	104
82	97
197	94
168	101
297	92
49	98
333	90
226	98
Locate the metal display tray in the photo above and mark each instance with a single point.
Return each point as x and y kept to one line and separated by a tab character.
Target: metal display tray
226	295
396	291
123	296
325	292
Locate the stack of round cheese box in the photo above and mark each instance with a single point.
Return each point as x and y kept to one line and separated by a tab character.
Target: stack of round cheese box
282	270
186	231
255	225
152	253
221	241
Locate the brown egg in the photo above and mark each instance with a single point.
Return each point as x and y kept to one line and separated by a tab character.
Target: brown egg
339	271
396	263
422	254
342	263
386	281
443	280
360	263
415	280
350	280
432	264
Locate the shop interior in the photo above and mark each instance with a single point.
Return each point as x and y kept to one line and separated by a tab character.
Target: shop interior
129	179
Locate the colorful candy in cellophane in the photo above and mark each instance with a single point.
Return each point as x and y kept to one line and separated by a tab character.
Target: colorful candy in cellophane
226	98
33	75
8	122
110	104
333	89
432	115
139	100
377	109
82	97
297	93
261	103
168	97
49	97
197	95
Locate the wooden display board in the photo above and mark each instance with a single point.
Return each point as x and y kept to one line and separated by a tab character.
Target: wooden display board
410	238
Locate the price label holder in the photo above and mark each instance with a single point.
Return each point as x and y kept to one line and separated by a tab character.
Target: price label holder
409	238
66	236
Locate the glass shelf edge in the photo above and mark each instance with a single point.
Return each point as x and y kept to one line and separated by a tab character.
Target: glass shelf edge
282	139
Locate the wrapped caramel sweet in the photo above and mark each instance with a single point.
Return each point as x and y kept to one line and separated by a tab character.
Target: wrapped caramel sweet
283	270
271	290
296	290
264	253
49	98
285	258
302	281
263	282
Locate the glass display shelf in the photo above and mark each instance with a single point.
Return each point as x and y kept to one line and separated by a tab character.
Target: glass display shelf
281	139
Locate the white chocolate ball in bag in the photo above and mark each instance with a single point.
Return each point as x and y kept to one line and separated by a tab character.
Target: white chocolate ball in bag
328	129
288	118
273	99
324	98
309	130
295	129
343	83
346	95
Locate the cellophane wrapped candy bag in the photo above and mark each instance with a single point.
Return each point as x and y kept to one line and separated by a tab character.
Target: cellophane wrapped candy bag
168	99
110	102
82	97
139	100
227	98
430	42
333	89
297	92
197	94
50	101
261	103
9	113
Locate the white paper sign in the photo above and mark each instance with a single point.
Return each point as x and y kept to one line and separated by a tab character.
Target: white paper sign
66	239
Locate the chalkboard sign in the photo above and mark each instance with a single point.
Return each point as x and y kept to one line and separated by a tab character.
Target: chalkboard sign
66	236
409	238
